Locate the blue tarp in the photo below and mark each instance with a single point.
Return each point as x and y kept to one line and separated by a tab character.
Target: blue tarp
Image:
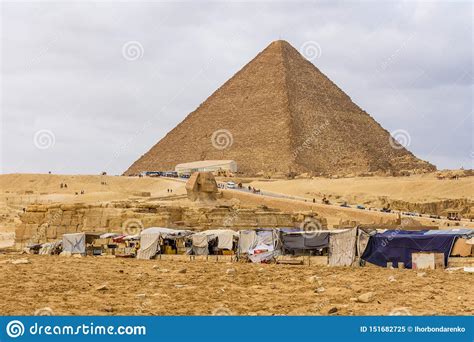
397	246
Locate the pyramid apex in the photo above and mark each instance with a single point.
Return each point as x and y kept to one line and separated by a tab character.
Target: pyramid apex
279	42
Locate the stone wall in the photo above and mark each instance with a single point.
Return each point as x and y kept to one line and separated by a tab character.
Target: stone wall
41	223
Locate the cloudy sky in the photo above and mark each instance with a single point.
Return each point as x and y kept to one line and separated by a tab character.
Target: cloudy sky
89	87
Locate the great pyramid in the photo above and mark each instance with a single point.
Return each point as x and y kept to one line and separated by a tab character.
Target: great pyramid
280	114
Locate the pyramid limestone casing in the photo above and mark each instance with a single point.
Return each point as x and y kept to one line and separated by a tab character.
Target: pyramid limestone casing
284	115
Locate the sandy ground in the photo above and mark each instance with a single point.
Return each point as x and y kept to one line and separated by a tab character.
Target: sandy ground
71	286
46	188
17	191
417	188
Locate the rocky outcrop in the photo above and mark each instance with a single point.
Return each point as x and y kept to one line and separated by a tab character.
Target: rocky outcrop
463	205
41	223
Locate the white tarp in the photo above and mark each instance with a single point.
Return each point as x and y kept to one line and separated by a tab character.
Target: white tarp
342	247
200	244
149	246
74	243
225	237
165	232
150	240
199	240
264	250
109	235
247	240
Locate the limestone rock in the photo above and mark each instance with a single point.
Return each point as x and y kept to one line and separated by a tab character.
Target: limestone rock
230	271
320	290
103	287
366	297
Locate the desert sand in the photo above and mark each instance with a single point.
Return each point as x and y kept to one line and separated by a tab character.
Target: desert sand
113	286
17	191
107	286
369	190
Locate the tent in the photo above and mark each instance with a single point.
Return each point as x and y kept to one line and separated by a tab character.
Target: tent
74	243
341	244
397	245
149	246
166	232
247	240
464	245
304	242
200	244
219	239
462	248
261	246
150	239
110	235
453	231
